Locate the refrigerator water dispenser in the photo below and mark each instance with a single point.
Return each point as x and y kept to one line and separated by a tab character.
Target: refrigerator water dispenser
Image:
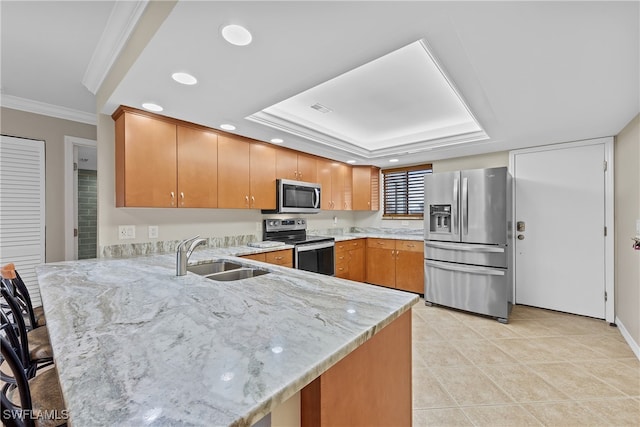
440	218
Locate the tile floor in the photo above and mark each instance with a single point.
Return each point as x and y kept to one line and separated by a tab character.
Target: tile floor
543	368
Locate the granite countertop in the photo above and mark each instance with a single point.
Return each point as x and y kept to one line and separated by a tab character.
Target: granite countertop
136	345
380	235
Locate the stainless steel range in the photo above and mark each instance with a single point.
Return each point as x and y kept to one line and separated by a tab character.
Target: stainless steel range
311	253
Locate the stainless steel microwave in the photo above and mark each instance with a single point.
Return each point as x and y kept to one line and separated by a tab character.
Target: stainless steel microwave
296	197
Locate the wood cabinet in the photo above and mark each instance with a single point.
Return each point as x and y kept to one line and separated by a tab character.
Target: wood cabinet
162	163
350	259
366	188
335	180
396	264
369	387
197	168
282	257
246	174
295	166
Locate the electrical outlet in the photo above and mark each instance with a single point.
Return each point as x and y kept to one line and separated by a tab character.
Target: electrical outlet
126	232
258	226
153	231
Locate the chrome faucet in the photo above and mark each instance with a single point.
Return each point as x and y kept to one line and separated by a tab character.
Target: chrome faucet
183	254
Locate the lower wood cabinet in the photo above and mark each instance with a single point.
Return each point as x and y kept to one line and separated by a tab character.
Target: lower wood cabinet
350	259
396	264
282	257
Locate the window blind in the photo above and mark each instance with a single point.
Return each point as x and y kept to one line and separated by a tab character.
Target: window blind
22	203
404	191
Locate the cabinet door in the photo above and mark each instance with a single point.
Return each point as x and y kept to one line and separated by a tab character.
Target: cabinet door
286	164
233	173
365	188
263	176
381	266
410	271
145	162
338	173
324	178
307	169
197	168
348	188
357	270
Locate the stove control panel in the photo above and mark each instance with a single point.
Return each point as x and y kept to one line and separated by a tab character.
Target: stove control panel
285	224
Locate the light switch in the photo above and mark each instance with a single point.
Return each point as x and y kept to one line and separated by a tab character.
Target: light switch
153	231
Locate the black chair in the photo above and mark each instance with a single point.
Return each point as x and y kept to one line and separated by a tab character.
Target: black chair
16	286
33	346
29	402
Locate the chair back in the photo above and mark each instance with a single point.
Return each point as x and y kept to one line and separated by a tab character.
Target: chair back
14	415
19	290
13	316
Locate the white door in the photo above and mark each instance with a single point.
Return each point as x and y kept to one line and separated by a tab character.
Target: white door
560	254
22	209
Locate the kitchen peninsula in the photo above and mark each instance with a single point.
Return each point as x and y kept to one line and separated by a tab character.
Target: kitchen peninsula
136	345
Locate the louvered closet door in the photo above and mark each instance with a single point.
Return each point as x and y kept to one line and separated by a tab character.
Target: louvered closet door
22	208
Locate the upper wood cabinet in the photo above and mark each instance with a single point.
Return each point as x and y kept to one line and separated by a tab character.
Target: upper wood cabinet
197	168
161	163
366	188
246	174
335	179
295	166
145	161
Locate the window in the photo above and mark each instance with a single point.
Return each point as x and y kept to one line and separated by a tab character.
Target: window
404	191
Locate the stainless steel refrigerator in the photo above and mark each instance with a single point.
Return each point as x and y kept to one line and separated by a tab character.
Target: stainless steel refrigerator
467	235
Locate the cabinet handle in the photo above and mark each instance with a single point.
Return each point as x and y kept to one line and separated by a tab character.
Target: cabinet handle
253	201
295	173
411	246
246	200
300	173
380	243
173	197
397	254
279	258
182	198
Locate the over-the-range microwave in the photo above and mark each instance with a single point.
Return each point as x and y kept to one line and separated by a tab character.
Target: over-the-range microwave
296	197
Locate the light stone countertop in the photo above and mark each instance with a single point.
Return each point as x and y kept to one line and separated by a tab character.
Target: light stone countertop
135	345
364	235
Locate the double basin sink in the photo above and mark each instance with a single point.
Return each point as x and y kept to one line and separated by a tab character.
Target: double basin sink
225	271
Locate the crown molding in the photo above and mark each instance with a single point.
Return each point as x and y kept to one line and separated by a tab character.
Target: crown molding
37	107
122	21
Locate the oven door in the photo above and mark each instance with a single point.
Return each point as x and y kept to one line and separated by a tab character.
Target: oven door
315	257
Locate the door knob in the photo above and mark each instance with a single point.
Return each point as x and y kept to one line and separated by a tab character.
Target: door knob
520	236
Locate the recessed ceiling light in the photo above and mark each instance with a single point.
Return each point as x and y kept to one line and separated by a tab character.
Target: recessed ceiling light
227	126
351	161
277	140
184	78
236	35
393	160
152	107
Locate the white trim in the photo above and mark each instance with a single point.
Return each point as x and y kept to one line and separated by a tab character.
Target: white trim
69	215
37	107
122	21
627	337
609	272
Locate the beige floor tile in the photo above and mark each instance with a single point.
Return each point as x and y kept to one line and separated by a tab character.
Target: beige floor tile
630	361
618	375
526	350
432	354
427	391
574	381
458	332
607	346
578	325
449	417
617	412
494	330
522	384
527	312
568	349
528	328
482	352
563	414
468	385
503	415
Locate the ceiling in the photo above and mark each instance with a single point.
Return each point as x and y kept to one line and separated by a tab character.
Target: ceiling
530	73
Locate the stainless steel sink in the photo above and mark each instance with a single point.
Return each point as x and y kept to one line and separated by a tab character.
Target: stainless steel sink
212	267
238	274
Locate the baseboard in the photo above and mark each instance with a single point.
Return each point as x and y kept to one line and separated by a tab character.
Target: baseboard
625	334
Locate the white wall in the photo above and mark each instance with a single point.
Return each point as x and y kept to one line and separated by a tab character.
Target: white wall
627	212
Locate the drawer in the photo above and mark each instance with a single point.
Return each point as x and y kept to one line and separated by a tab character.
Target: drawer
381	243
341	247
355	244
410	245
284	257
341	257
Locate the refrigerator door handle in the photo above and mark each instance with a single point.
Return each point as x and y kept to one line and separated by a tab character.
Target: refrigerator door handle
459	247
464	208
465	268
454	208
